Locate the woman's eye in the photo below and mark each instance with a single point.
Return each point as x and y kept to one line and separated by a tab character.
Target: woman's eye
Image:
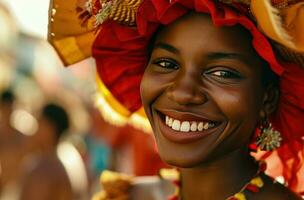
166	63
225	74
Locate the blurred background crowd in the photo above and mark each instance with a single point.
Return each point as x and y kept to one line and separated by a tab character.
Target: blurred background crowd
54	142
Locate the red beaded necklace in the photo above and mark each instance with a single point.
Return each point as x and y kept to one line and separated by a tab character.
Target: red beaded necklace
253	186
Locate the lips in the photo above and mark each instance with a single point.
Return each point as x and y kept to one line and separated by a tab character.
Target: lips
184	127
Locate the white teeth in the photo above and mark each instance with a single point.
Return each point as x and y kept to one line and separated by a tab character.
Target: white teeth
176	125
185	127
206	126
193	126
200	126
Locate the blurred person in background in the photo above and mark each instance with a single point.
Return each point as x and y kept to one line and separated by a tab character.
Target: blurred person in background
12	146
19	54
98	143
122	149
45	176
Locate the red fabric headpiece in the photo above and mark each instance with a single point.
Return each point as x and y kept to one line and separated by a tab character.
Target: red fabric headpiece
121	56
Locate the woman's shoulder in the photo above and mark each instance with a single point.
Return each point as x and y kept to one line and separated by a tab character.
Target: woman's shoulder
273	190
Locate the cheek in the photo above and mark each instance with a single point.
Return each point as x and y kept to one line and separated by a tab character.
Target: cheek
146	97
144	85
239	104
148	92
152	86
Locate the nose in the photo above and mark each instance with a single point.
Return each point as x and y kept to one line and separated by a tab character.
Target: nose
186	91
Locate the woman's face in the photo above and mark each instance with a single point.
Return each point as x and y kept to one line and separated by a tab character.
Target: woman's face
202	90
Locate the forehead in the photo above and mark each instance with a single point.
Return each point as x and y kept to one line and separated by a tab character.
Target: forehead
197	31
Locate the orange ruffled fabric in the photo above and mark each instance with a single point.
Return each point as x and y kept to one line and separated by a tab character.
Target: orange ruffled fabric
285	25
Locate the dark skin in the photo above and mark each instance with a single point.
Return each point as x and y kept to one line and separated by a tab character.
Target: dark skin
200	71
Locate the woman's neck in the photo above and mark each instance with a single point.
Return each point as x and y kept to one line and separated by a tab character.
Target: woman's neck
218	179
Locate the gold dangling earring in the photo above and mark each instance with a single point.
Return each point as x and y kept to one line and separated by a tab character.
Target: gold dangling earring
269	139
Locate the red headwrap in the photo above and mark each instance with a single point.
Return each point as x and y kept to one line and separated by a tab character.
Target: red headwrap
121	56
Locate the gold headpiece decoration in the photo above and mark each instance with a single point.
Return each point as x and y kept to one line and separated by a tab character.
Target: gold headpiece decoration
121	11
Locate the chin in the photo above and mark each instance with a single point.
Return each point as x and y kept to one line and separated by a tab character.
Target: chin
183	159
182	163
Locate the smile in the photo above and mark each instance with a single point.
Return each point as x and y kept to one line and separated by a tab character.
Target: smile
188	126
184	127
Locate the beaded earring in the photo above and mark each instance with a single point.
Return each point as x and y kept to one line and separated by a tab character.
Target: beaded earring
269	138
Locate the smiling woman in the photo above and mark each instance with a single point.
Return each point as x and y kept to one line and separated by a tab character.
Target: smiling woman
211	80
212	87
207	79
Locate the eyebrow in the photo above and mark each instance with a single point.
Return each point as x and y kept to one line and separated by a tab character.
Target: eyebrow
224	55
167	47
